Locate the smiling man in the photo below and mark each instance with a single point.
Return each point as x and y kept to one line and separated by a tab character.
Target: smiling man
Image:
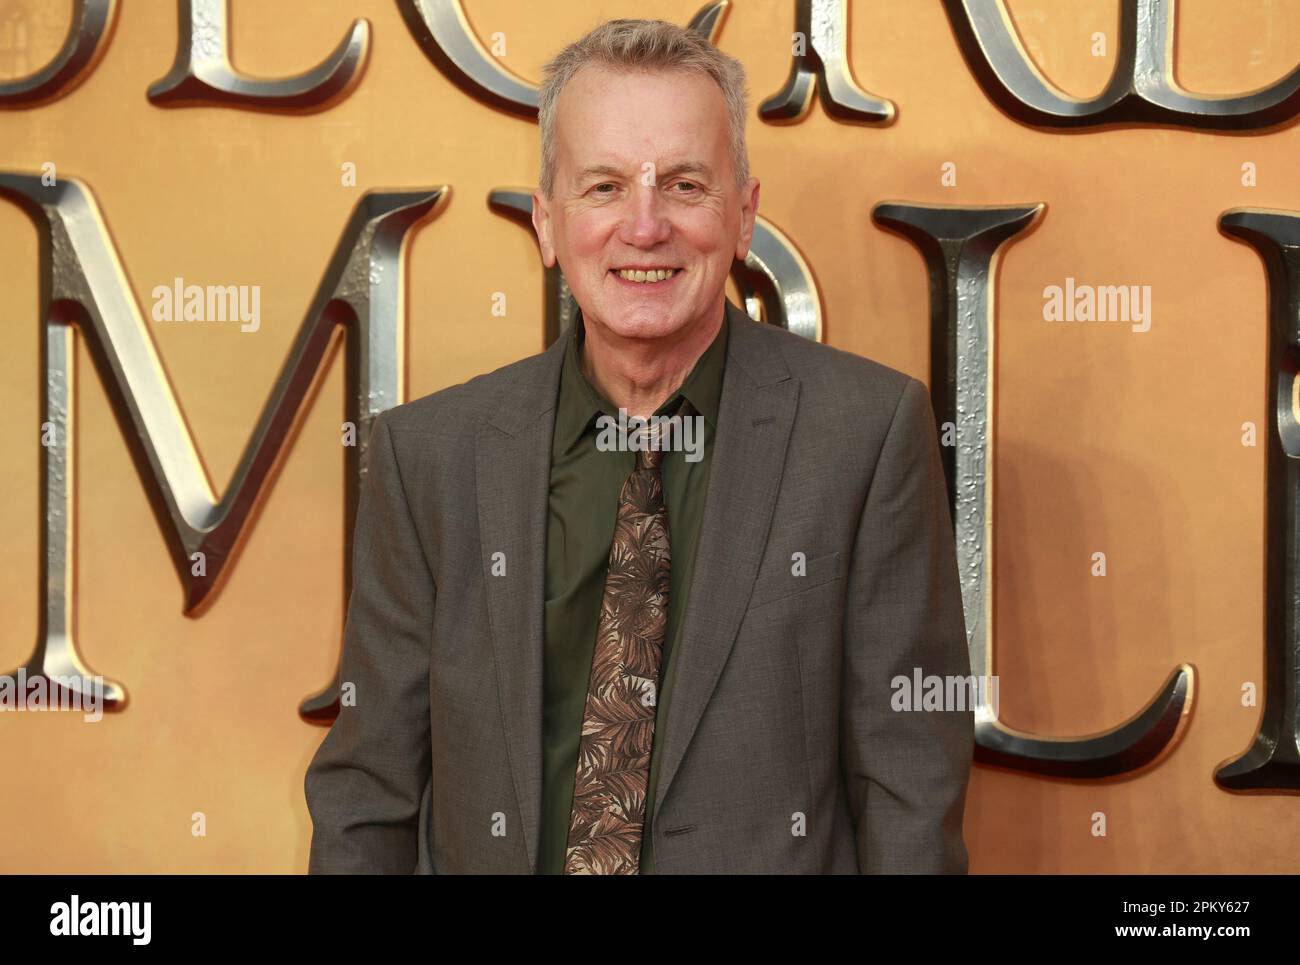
575	657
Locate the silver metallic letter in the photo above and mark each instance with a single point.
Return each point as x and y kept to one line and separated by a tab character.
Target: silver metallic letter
822	25
85	44
82	284
202	74
1141	91
1272	762
960	246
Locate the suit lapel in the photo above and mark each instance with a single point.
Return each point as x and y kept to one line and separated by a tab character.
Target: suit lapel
512	464
755	416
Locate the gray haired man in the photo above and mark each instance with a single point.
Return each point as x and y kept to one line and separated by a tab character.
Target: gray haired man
572	657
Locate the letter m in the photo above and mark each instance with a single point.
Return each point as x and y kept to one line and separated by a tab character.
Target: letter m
85	289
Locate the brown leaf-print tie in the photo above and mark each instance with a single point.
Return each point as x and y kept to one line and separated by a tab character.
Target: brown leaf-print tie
609	789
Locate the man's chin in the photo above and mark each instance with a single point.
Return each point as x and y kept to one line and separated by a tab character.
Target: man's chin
623	318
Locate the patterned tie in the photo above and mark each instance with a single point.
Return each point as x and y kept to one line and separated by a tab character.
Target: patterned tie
618	724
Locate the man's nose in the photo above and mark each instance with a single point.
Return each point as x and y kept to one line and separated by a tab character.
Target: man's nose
646	222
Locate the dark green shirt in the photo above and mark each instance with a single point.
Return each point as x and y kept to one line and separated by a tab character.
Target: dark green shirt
585	483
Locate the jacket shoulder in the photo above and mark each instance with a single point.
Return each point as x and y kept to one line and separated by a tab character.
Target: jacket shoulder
462	407
834	374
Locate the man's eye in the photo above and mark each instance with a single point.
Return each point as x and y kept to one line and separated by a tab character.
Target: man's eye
689	185
605	184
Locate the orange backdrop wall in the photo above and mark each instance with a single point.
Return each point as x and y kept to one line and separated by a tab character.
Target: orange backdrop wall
1106	440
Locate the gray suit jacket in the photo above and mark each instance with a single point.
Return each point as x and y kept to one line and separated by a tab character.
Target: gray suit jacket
782	752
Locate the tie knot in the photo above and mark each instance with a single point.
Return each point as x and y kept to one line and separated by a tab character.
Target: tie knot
649	458
659	435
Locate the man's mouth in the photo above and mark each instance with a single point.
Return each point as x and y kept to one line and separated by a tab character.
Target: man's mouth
645	275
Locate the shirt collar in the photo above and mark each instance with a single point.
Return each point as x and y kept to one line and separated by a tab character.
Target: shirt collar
580	403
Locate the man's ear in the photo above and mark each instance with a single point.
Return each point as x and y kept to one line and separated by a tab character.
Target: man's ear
748	214
542	225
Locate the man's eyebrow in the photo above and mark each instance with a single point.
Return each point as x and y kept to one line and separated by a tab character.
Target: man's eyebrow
688	167
673	170
599	170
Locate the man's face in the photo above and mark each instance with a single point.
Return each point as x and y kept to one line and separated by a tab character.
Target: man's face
643	179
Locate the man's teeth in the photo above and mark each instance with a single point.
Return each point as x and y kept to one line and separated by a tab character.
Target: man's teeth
659	275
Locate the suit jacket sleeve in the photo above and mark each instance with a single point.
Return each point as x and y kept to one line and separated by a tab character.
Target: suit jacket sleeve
365	784
905	771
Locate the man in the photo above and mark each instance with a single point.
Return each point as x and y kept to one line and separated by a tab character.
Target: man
570	656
